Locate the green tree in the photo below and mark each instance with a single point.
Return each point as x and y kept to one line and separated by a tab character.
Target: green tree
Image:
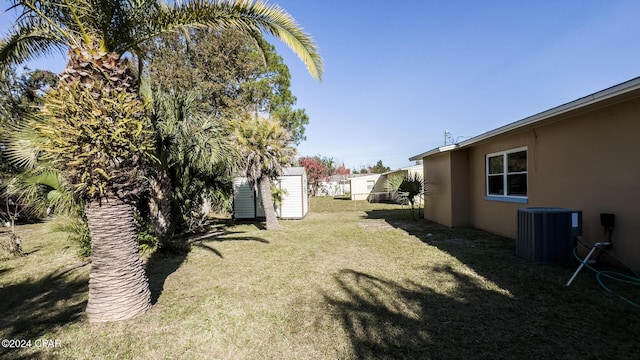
231	72
35	83
101	145
216	65
9	114
264	146
273	91
379	168
196	154
226	73
328	162
103	161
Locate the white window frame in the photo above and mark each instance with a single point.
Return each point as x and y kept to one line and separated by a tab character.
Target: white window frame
505	197
371	184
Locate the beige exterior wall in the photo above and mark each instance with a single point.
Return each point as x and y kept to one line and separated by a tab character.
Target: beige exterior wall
360	186
460	191
447	188
587	162
497	216
437	175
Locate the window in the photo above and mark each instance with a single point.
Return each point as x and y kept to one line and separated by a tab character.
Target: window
507	175
371	184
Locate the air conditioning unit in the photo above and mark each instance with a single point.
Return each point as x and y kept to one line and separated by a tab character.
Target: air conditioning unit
546	235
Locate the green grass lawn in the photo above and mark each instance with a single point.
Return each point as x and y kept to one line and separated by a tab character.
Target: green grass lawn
352	280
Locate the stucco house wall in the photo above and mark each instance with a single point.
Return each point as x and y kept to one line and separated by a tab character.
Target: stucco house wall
437	202
584	158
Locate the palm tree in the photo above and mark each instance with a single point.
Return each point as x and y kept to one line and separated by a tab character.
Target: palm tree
42	187
194	150
97	33
264	146
405	188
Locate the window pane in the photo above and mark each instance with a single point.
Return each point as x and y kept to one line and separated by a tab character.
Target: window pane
496	185
517	184
517	161
370	184
496	164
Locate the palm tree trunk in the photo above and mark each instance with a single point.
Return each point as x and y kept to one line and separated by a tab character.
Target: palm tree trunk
118	285
267	202
160	203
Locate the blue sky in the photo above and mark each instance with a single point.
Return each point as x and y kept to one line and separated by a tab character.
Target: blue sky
398	74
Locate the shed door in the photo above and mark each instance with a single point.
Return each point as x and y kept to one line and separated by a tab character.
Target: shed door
243	199
258	205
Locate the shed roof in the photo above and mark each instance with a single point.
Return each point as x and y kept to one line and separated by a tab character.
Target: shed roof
364	177
624	91
406	168
293	171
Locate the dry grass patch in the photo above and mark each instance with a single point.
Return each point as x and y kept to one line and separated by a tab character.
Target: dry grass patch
325	287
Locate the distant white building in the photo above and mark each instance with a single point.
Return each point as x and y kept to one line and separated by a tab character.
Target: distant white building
362	186
335	185
382	194
372	187
407	171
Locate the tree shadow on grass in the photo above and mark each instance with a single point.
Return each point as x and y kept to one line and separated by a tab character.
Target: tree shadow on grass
160	265
222	230
415	319
497	305
31	308
486	253
259	224
227	236
386	319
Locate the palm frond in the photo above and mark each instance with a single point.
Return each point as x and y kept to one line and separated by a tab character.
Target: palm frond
122	26
264	147
28	43
243	15
191	137
42	189
21	142
393	182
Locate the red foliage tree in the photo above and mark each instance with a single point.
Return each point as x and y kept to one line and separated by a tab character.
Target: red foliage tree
342	171
316	172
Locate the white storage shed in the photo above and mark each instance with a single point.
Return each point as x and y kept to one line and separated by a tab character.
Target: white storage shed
247	202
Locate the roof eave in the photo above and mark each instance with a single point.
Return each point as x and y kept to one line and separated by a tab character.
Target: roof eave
611	92
437	150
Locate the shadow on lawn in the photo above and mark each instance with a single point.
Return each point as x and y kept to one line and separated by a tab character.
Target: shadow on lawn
160	265
220	230
496	306
30	309
385	319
